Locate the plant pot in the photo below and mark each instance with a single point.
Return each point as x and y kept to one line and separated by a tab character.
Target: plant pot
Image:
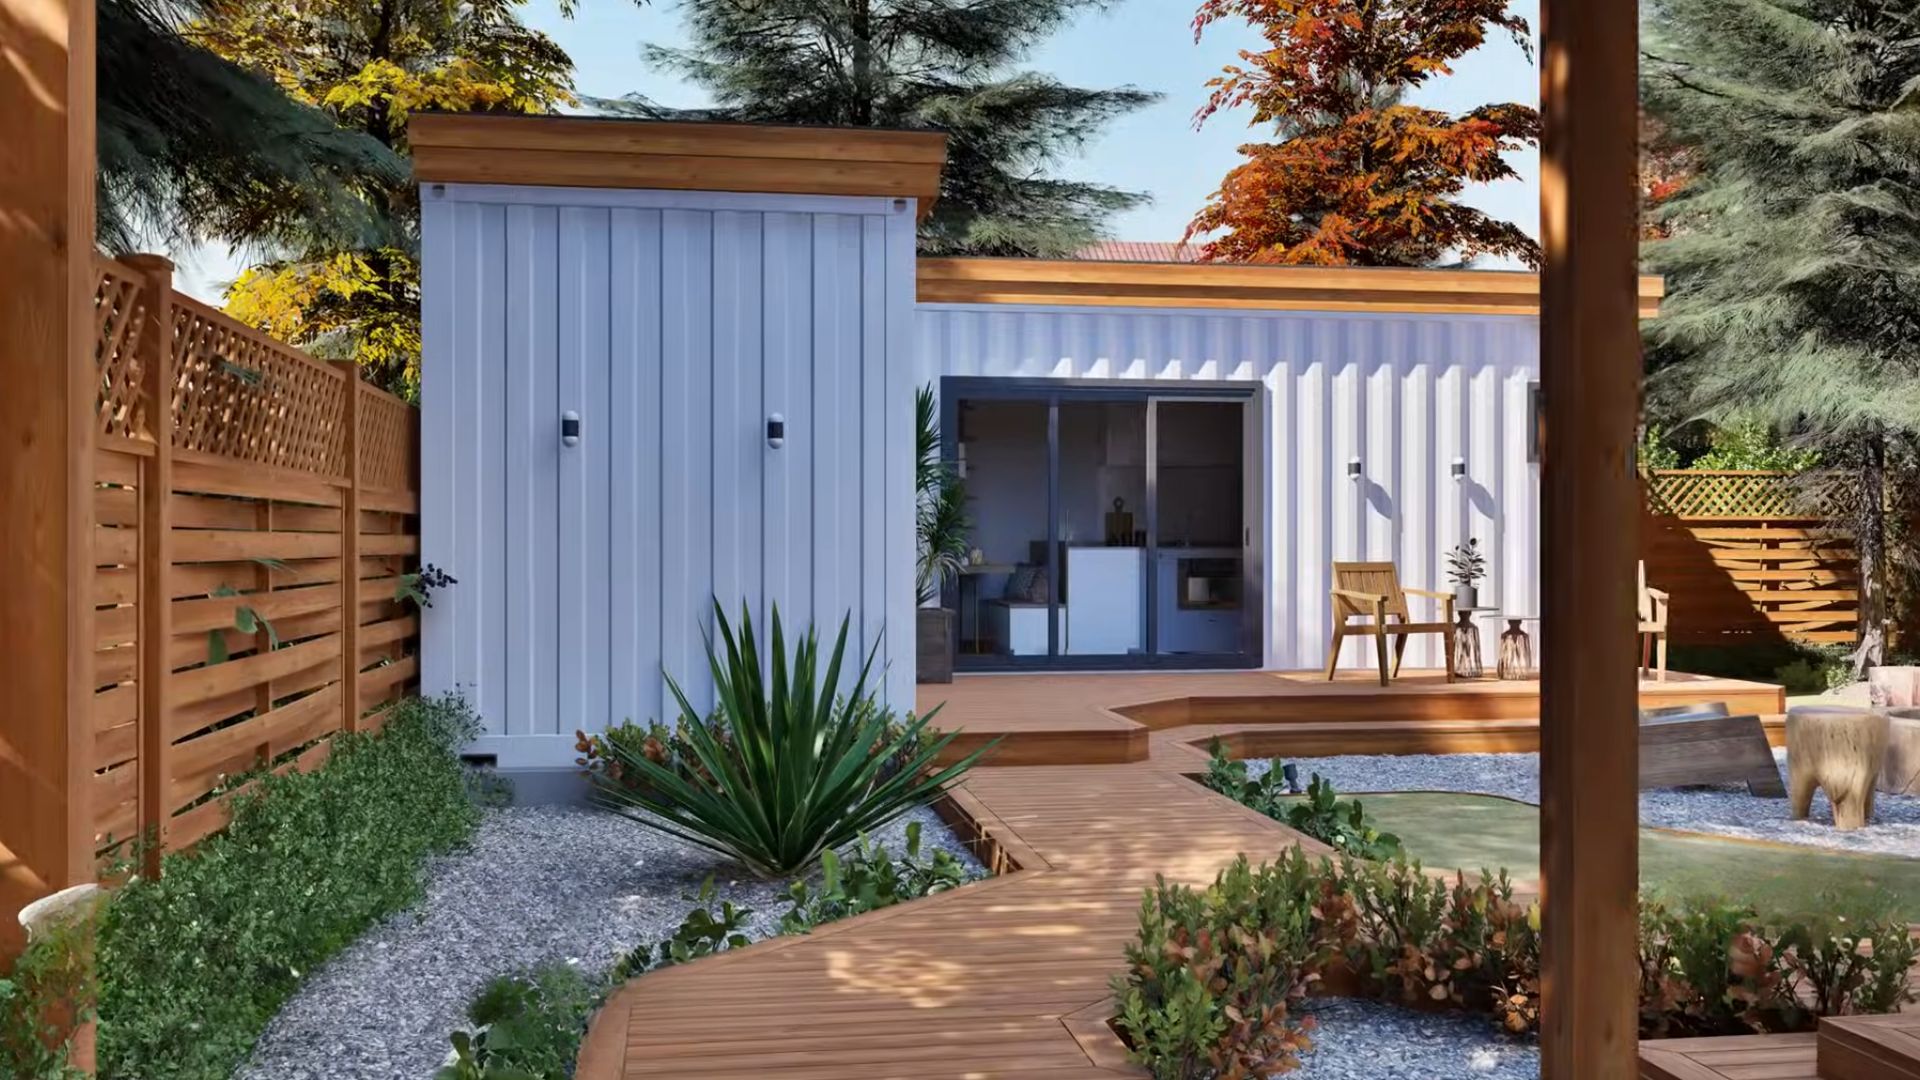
1466	596
934	636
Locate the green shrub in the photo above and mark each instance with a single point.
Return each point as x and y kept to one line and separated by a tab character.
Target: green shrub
527	1026
194	964
1213	978
791	767
870	878
1339	823
704	931
47	990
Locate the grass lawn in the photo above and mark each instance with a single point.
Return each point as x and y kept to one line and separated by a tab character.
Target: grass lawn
1479	831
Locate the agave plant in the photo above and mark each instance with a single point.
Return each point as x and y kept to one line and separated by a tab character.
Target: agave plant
791	764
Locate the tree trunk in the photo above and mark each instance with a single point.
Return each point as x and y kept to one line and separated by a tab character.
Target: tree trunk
863	93
1870	546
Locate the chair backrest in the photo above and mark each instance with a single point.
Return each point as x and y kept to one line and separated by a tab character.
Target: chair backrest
1379	578
1641	598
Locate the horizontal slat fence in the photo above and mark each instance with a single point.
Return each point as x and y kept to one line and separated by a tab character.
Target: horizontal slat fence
255	509
1744	562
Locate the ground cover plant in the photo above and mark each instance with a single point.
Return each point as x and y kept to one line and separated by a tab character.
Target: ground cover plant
790	764
1340	823
1216	974
193	964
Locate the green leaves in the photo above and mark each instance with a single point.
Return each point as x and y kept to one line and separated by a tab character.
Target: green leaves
791	765
1321	813
869	879
528	1026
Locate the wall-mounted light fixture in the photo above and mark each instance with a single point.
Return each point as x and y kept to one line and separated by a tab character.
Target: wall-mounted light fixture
1353	469
570	428
1459	470
776	431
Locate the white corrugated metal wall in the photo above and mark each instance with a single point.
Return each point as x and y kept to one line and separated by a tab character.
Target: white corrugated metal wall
1404	393
674	324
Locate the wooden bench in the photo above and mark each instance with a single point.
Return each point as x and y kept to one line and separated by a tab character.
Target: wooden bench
1702	744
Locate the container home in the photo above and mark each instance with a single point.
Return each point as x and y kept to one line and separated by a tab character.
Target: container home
666	363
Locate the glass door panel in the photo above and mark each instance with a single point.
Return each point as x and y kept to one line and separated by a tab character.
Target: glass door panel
1199	532
1101	448
1005	590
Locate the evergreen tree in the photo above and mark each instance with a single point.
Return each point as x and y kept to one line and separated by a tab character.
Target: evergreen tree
1358	176
918	63
193	147
369	64
1793	267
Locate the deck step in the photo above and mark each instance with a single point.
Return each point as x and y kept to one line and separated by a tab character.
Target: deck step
1870	1047
1737	1057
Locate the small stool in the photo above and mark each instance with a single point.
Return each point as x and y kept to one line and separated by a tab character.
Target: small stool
1838	749
1516	649
1901	773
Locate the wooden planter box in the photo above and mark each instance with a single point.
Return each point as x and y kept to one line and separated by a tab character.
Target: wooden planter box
934	630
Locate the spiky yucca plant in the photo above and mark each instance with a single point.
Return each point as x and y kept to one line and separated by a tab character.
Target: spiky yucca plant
790	766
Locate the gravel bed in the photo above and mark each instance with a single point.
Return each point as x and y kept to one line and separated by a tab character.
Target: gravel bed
1369	1040
538	884
1724	809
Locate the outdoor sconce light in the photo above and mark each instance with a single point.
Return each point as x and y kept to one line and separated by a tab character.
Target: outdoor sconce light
776	431
570	428
1459	470
1353	469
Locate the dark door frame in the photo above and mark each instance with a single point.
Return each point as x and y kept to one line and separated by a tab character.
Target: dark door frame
1053	392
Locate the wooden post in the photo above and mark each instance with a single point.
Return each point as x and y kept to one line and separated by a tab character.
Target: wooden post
156	558
1590	367
47	401
350	556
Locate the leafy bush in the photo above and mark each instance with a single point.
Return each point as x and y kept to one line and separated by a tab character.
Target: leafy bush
48	989
527	1026
790	769
194	963
871	879
1214	974
1213	978
1321	813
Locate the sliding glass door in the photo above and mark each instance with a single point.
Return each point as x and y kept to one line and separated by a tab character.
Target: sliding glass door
1109	525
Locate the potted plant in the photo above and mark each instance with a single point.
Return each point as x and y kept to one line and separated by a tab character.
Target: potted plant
940	520
1465	567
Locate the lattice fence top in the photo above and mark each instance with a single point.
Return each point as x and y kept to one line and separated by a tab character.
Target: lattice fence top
1728	494
119	309
386	440
243	395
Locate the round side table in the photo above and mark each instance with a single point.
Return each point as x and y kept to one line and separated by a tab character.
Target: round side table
1516	648
1466	642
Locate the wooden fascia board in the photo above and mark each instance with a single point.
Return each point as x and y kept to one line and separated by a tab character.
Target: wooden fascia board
565	151
1070	282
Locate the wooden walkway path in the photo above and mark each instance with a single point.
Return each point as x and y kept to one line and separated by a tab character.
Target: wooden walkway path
1008	978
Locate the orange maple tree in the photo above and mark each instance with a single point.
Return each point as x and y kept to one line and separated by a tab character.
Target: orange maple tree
1359	177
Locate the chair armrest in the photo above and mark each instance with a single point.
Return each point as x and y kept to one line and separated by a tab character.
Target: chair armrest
1435	594
1367	597
1657	594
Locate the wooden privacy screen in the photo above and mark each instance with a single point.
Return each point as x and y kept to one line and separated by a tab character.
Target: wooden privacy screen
1744	563
254	510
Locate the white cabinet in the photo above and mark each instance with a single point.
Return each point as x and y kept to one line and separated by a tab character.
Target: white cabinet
1106	600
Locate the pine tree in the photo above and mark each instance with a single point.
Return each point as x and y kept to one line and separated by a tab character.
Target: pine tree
1793	268
918	63
369	64
193	147
1358	176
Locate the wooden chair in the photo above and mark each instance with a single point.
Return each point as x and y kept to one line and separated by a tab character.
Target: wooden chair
1372	591
1653	625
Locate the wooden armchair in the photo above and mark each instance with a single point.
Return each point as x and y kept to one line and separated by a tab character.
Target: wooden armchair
1372	591
1653	625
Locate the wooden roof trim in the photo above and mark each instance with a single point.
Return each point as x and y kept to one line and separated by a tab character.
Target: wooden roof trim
1073	282
569	151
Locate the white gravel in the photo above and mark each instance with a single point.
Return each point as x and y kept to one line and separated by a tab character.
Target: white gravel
1369	1040
539	883
1724	809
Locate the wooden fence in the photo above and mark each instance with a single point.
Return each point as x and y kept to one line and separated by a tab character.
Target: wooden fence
254	511
1745	562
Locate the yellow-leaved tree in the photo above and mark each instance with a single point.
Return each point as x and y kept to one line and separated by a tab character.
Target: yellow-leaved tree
370	65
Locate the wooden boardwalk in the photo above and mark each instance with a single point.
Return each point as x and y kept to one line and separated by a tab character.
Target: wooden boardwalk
1003	979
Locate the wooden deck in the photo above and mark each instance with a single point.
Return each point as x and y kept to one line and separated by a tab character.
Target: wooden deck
1105	718
1009	978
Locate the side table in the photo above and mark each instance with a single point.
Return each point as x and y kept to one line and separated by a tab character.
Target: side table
1516	648
1466	642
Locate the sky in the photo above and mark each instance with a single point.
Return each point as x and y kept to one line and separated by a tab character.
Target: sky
1146	43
